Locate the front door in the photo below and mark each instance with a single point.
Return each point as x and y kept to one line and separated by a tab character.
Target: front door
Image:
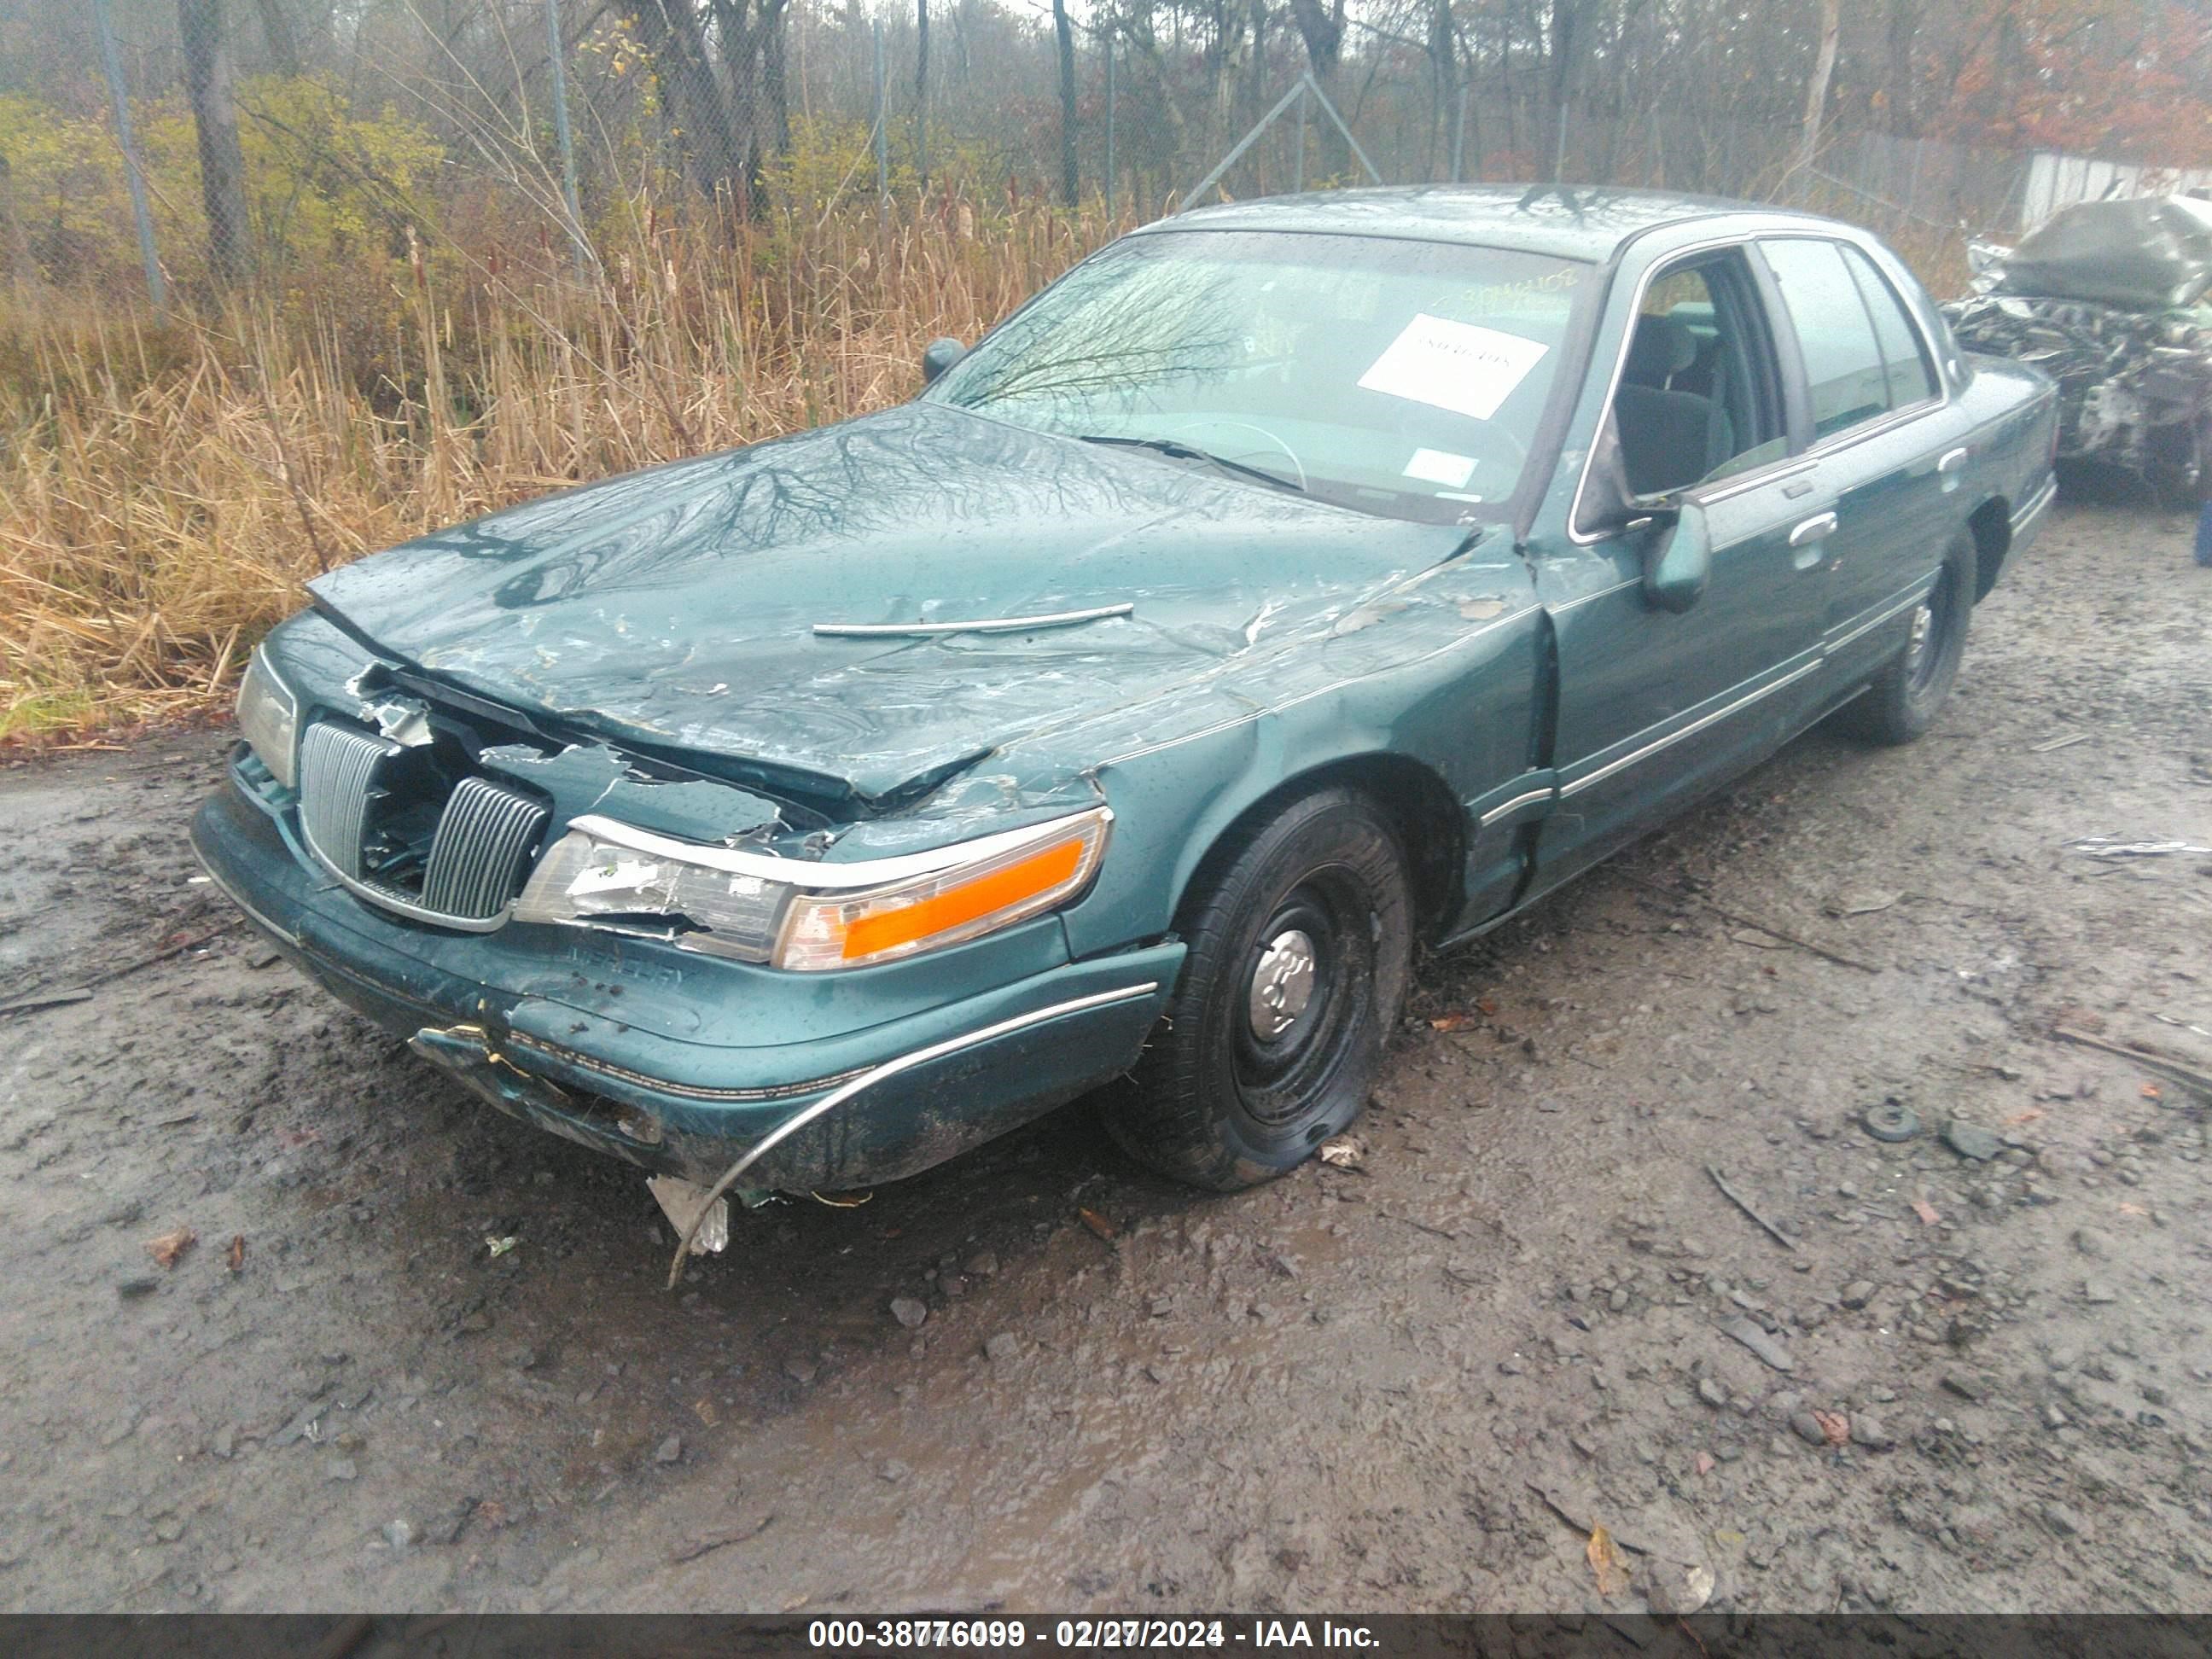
1655	708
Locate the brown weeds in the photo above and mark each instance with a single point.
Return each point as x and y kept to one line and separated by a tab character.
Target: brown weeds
166	490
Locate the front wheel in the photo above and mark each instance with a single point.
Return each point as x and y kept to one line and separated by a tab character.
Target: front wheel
1904	700
1300	932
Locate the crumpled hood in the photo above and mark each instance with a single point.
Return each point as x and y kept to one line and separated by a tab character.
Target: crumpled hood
677	606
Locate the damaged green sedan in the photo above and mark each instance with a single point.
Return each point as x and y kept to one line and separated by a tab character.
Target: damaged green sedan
1292	584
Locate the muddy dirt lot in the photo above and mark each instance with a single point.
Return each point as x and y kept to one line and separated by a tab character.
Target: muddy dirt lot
1406	1387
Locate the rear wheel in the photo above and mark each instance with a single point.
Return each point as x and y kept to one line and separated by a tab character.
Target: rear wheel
1910	692
1301	940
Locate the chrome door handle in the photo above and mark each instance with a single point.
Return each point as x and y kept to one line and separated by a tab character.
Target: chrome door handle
1953	459
1812	529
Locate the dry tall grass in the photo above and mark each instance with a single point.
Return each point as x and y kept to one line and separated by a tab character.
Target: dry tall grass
165	491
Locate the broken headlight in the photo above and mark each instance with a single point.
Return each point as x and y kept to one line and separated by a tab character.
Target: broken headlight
269	719
784	912
586	879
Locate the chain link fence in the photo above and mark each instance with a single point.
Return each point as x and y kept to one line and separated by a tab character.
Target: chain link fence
191	146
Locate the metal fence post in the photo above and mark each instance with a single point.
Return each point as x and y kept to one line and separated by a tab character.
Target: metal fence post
113	62
556	56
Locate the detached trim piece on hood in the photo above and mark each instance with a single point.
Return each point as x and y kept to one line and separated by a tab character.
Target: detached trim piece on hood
984	625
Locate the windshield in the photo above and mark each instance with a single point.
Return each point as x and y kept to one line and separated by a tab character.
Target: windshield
1398	377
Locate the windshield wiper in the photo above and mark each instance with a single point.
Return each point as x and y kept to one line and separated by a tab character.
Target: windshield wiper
1183	451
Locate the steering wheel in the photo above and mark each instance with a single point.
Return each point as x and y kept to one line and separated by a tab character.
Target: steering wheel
1288	453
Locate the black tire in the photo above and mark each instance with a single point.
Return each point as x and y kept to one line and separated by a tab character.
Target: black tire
1216	1102
1905	698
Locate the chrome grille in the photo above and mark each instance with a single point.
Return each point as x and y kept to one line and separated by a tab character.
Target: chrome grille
369	812
476	859
337	786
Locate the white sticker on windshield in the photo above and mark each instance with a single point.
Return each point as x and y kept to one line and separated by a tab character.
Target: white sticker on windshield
1462	367
1440	467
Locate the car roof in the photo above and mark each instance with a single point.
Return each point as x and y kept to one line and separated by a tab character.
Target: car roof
1565	220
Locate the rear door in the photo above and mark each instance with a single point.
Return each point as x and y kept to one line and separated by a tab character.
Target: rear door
1880	434
1655	708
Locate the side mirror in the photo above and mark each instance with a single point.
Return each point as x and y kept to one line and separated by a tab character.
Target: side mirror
1678	559
939	355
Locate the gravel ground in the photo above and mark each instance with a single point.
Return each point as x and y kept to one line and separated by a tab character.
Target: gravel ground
1972	1374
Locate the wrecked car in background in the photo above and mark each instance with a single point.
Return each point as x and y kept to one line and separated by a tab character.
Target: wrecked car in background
1292	584
2110	298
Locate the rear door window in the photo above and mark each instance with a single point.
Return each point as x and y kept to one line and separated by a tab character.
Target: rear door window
1844	369
1911	378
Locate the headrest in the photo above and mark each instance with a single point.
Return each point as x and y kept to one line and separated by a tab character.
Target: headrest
1660	347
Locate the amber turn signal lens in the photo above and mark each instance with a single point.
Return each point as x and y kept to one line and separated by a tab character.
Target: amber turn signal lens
955	907
826	930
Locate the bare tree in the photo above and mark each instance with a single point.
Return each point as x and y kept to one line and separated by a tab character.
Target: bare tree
281	38
1816	89
210	84
1064	33
1904	22
1322	27
921	92
1565	42
692	95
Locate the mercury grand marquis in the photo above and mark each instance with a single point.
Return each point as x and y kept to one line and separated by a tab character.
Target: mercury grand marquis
1292	585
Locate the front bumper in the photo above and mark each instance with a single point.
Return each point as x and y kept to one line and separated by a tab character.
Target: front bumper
679	1063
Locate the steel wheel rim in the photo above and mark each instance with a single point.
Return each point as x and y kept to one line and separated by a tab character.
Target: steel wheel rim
1924	650
1279	1075
1282	985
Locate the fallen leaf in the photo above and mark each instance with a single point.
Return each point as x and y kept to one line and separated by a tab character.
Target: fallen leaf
499	1247
236	1259
2150	1091
1097	1223
1605	1561
1343	1153
703	1409
1485	1005
1450	1022
1704	1462
1834	1427
2127	1208
169	1246
1926	1210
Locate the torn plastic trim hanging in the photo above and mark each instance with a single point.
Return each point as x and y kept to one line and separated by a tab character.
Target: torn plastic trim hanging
829	1103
